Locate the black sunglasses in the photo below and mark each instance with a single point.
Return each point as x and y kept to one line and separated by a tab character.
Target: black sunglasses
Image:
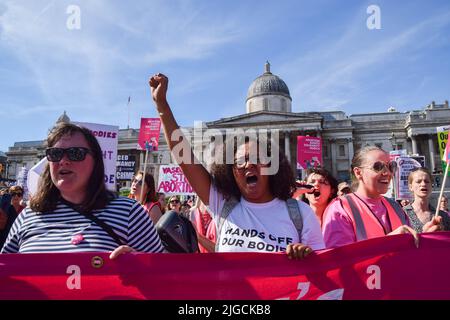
380	166
174	201
19	194
73	153
241	162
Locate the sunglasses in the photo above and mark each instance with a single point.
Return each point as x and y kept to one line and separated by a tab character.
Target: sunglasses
73	153
241	162
19	194
137	182
379	166
174	201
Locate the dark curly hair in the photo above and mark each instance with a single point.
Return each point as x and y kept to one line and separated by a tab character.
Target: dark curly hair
328	177
281	184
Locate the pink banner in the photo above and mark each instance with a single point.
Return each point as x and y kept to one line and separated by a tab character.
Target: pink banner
383	268
309	152
149	132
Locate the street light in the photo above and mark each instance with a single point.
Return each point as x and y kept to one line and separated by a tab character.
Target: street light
393	140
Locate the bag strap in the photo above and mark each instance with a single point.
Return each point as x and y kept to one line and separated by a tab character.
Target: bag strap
96	220
295	215
226	210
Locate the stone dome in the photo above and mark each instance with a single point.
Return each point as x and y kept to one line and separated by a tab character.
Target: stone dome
268	84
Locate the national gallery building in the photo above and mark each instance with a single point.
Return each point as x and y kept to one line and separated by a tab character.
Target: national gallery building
269	106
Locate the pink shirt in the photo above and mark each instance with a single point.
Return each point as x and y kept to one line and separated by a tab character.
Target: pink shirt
337	225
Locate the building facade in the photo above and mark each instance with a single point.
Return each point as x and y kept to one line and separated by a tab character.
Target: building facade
269	106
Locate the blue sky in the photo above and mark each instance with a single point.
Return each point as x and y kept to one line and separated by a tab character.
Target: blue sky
212	51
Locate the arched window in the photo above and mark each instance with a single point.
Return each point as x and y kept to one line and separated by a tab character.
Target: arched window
266	104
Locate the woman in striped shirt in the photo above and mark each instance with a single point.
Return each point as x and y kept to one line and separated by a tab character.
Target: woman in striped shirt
73	211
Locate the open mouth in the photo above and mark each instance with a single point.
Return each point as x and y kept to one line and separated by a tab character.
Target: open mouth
316	194
251	179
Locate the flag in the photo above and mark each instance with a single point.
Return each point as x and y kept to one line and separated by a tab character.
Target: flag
129	99
447	152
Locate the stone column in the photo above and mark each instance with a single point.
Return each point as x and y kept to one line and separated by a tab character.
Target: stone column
350	152
414	144
333	157
287	146
431	150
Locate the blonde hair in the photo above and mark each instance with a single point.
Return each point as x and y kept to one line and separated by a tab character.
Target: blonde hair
358	159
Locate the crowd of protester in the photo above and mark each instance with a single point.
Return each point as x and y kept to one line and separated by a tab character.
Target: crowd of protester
236	208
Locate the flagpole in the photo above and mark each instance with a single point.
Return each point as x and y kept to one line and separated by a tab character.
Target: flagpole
442	190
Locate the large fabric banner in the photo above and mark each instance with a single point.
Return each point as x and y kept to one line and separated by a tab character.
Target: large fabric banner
383	268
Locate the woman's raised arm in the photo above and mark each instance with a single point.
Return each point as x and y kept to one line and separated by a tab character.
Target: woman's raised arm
196	174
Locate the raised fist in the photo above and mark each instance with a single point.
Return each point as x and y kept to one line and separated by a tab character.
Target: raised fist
158	86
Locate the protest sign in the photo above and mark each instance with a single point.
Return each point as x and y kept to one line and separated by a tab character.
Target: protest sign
309	152
442	137
149	134
405	165
173	182
108	138
126	165
34	175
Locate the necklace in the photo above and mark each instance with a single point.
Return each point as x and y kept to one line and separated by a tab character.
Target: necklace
376	217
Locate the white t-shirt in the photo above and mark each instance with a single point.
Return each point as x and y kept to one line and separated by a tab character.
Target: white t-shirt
263	227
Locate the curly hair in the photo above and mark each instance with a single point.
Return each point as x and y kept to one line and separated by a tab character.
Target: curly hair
281	184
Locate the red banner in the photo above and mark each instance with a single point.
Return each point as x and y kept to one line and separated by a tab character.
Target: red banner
383	268
149	133
309	152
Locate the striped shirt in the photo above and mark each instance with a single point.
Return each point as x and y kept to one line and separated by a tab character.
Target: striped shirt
55	231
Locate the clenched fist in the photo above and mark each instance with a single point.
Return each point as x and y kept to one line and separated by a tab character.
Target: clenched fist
158	86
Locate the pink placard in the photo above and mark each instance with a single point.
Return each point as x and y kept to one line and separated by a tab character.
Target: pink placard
149	132
309	152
